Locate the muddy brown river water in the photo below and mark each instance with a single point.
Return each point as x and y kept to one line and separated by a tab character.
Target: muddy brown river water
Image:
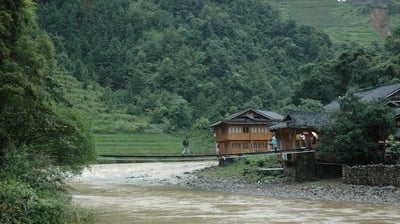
145	193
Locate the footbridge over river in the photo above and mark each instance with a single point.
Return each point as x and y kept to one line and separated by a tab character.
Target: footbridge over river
110	158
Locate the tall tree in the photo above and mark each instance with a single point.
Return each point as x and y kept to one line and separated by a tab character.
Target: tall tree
358	126
31	118
392	42
350	69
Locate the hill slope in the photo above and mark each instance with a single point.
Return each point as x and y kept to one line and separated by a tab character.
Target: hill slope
350	21
178	62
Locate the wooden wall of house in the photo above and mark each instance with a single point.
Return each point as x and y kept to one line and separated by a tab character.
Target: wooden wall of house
242	132
286	139
236	139
289	139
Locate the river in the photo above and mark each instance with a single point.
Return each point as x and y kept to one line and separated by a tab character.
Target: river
145	193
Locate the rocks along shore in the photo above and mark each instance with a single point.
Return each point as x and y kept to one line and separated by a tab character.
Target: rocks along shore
322	190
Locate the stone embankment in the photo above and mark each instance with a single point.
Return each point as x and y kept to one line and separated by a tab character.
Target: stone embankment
325	190
375	175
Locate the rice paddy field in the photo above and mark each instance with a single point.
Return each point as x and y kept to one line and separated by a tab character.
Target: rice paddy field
341	21
147	144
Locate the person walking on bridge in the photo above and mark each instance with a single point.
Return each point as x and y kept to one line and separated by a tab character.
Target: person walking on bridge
186	149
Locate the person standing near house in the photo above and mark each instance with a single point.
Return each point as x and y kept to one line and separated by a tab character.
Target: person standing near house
303	140
273	142
186	149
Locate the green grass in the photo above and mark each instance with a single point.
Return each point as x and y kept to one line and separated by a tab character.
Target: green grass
239	166
246	168
147	144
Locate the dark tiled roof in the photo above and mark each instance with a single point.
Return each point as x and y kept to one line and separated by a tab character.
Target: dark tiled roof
379	92
251	116
376	93
397	133
302	119
271	114
396	111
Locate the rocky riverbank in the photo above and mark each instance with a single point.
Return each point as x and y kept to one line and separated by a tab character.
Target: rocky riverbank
324	190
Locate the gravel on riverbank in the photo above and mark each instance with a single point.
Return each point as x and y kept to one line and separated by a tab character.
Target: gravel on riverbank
322	190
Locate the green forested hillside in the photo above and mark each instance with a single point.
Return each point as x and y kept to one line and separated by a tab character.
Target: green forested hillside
182	63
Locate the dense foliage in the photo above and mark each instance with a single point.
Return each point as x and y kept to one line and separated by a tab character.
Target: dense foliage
350	70
358	127
32	191
32	117
179	61
37	130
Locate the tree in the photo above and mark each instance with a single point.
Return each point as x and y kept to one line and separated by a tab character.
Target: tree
305	105
172	111
350	69
358	126
42	140
318	83
392	42
30	117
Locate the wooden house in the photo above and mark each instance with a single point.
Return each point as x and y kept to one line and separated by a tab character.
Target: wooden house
296	136
245	132
297	131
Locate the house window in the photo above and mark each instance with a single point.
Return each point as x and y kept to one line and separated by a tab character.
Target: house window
235	130
245	130
259	130
232	130
255	145
236	145
260	145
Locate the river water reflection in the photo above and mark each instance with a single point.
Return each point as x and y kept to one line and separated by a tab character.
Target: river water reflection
128	201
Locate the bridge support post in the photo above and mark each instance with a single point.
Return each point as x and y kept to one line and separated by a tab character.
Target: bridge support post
301	168
225	161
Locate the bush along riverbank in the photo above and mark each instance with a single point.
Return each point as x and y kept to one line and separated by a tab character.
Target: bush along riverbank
33	191
242	177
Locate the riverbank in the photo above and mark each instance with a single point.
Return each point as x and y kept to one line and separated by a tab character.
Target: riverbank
323	190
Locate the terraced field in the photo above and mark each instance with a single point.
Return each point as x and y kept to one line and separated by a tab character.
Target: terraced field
147	144
343	22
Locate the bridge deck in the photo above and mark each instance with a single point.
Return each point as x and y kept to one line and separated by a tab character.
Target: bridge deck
109	158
